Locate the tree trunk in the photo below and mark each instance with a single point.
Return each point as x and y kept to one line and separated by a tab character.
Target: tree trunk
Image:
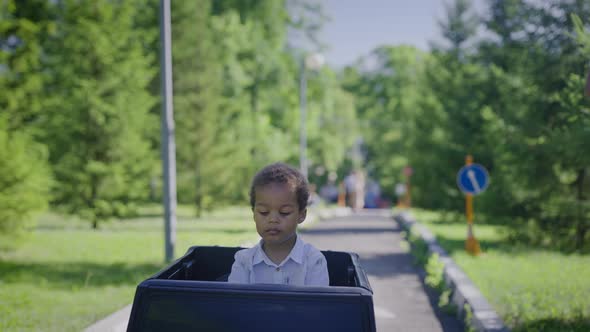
254	112
198	189
92	202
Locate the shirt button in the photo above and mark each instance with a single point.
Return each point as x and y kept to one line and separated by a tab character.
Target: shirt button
278	269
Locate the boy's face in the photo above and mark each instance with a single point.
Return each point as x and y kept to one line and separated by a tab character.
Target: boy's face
276	213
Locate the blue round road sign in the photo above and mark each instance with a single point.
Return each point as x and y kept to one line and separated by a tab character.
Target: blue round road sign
473	179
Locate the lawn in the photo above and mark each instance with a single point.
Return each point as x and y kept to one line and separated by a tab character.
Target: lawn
66	276
532	289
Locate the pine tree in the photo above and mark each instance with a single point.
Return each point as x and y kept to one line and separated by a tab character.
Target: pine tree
24	172
197	94
99	109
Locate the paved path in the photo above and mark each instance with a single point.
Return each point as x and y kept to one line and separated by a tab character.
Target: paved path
400	300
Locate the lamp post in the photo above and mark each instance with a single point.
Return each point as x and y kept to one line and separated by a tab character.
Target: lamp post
312	61
168	145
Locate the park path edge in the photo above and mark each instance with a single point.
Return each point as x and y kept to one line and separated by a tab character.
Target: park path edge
484	317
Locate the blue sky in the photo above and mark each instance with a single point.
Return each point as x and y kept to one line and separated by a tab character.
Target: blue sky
358	26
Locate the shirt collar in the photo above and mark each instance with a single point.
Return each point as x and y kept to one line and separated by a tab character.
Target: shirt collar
296	254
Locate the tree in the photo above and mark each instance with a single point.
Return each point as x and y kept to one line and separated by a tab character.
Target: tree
98	109
538	108
22	29
388	105
460	25
24	173
24	181
197	94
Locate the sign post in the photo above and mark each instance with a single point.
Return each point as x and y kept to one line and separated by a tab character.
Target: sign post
408	171
472	179
400	193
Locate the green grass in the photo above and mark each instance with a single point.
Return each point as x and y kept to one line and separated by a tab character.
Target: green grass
532	289
65	276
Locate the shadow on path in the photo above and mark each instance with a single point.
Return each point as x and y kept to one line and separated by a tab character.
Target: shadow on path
350	230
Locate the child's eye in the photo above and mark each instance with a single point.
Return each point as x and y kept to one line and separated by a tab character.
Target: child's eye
264	213
285	213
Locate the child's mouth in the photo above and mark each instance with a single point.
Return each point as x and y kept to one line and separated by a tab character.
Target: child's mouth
272	231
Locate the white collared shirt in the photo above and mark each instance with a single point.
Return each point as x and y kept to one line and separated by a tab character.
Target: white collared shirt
304	266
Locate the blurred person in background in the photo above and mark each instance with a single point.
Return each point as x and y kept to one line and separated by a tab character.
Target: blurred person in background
373	194
329	191
350	188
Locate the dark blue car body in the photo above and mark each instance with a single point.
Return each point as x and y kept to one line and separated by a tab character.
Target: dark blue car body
191	295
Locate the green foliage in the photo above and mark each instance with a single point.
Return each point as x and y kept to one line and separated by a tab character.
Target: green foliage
434	269
467	320
542	161
22	29
387	101
24	181
332	121
419	248
83	81
24	173
445	304
460	24
435	273
514	100
435	279
98	109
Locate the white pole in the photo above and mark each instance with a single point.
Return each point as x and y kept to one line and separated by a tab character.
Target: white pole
168	146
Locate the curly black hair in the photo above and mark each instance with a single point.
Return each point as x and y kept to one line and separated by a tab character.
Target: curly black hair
285	174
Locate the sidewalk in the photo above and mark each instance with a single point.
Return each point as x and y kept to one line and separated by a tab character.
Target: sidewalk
401	301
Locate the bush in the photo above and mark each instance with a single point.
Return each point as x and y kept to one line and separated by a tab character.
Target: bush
434	269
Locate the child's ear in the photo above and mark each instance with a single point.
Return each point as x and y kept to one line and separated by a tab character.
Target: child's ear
302	216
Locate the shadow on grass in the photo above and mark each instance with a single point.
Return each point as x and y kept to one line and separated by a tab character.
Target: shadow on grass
183	228
453	218
75	275
189	218
505	244
581	324
155	228
502	245
517	235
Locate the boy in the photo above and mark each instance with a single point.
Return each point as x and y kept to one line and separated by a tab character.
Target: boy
278	197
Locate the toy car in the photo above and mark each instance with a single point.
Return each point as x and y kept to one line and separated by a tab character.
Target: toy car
192	295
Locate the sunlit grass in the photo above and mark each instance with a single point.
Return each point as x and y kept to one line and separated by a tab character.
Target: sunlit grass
65	276
532	289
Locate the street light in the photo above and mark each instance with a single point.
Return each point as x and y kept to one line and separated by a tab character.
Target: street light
312	61
168	145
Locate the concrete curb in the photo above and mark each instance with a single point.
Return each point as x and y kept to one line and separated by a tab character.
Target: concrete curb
485	318
115	322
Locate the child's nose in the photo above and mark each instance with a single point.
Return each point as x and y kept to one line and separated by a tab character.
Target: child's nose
273	217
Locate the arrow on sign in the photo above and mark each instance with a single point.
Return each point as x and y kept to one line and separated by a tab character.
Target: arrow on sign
471	176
